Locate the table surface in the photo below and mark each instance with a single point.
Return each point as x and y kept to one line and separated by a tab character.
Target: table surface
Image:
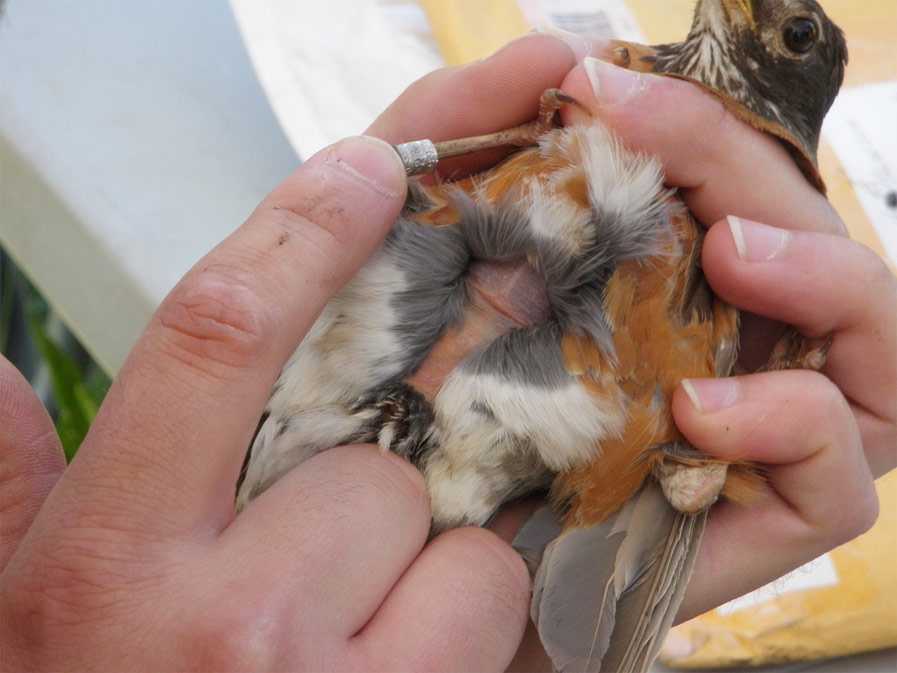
133	138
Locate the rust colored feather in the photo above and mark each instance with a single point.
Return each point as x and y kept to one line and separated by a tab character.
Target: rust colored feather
657	344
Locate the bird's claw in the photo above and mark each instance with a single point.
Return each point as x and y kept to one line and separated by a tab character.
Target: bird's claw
793	351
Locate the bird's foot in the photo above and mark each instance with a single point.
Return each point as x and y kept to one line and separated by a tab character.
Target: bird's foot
793	351
550	103
402	420
690	481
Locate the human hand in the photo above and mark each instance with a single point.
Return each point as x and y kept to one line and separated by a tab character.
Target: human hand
135	561
818	433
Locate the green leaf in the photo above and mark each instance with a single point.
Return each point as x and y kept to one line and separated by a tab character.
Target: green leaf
75	404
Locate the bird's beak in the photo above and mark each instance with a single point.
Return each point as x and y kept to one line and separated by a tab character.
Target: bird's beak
747	11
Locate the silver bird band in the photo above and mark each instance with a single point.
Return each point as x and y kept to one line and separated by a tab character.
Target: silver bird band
419	156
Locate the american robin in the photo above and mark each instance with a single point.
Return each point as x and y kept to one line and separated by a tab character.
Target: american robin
578	273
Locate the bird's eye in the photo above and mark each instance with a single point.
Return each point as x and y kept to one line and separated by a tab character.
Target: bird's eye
800	35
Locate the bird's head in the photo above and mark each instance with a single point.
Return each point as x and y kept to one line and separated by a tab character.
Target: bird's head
782	59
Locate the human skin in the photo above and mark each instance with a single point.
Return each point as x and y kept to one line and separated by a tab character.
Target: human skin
134	560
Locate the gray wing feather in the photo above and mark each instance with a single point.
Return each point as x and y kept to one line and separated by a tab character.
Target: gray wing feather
604	597
536	534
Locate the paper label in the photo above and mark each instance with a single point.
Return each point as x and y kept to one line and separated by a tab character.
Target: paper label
603	18
861	128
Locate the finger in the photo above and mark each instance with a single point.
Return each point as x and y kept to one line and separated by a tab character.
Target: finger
31	458
176	423
336	532
823	285
461	606
494	94
723	165
822	494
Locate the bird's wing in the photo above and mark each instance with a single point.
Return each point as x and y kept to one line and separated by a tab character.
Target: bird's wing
626	575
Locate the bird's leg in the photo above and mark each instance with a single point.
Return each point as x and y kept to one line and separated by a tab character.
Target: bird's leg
525	135
421	156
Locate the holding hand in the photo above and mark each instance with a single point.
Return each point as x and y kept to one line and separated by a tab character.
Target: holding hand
135	561
819	433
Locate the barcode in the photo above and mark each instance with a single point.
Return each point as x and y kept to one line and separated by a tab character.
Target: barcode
584	23
603	18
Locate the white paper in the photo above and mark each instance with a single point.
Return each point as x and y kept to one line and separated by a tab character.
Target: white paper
861	127
816	574
329	68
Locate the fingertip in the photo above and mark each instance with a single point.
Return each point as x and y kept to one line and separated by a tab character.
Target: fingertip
818	282
368	166
712	395
386	476
462	605
689	414
724	241
487	545
580	46
613	85
628	101
351	518
26	420
371	161
501	583
552	46
401	470
708	412
492	94
579	83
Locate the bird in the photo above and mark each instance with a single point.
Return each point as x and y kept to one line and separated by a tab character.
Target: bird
579	272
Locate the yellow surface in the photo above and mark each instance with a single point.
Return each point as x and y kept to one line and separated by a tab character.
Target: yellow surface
858	613
466	30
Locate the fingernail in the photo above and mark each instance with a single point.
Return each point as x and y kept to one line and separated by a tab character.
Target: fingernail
371	161
709	395
612	85
755	242
579	44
